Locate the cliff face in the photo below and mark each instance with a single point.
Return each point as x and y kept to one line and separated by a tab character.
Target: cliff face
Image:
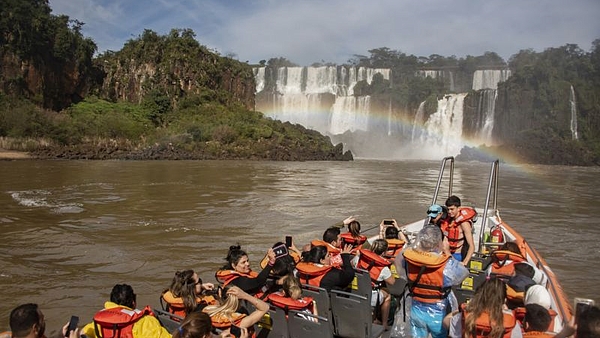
53	85
175	65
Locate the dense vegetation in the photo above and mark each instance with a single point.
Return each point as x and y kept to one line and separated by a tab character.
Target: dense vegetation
158	97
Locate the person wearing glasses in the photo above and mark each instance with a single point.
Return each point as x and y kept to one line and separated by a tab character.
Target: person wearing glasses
185	294
436	214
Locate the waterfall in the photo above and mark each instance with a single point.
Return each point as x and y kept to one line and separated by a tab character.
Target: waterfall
417	122
320	98
486	109
259	78
573	114
442	134
489	78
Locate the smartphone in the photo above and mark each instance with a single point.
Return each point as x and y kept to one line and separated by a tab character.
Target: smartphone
235	331
288	241
388	222
72	325
280	250
582	304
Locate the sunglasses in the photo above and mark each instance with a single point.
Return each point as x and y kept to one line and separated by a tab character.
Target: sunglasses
433	212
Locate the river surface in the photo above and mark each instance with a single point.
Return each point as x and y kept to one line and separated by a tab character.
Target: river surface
72	229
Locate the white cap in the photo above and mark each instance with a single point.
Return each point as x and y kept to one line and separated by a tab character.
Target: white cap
537	294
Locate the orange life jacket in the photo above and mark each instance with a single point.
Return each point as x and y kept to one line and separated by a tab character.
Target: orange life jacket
334	253
311	273
175	304
520	316
503	263
227	276
394	247
452	229
425	272
372	262
287	303
118	322
220	321
483	327
355	242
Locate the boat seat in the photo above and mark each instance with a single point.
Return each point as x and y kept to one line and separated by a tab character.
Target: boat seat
305	325
322	301
361	285
168	320
278	326
353	316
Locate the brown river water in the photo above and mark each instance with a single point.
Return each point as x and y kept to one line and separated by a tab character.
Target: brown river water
72	229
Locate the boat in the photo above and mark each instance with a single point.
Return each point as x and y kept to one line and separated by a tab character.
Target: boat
488	219
349	314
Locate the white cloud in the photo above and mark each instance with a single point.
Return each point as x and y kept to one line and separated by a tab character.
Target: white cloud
308	31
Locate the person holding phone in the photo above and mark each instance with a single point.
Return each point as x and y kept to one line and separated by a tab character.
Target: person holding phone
224	314
237	271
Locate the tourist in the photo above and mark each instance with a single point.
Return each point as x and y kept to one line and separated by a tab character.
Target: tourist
458	228
237	271
430	271
316	269
120	314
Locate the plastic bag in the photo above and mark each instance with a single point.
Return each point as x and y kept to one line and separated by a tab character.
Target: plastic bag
401	327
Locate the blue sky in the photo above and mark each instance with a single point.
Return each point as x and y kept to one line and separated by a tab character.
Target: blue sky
307	31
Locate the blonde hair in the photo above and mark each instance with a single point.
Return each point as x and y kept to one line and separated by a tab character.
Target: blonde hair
228	306
292	287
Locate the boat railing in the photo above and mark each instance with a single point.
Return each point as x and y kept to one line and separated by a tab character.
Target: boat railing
439	181
492	192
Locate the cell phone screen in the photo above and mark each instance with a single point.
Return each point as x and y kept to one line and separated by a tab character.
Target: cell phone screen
388	222
280	250
582	304
288	241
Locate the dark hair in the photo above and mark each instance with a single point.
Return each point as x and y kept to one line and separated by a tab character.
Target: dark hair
453	201
512	247
195	325
524	269
184	286
283	265
23	318
588	323
537	318
315	254
391	233
331	234
354	229
123	294
234	255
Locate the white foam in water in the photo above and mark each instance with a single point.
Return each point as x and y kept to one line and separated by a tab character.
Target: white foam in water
32	198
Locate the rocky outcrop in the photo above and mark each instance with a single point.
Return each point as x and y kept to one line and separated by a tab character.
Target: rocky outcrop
52	84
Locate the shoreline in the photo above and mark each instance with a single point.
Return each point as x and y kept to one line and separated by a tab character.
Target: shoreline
14	155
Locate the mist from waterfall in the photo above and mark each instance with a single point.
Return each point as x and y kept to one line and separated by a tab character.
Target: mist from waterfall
573	103
320	98
441	135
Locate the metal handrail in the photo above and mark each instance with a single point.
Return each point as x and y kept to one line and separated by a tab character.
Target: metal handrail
439	181
492	187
